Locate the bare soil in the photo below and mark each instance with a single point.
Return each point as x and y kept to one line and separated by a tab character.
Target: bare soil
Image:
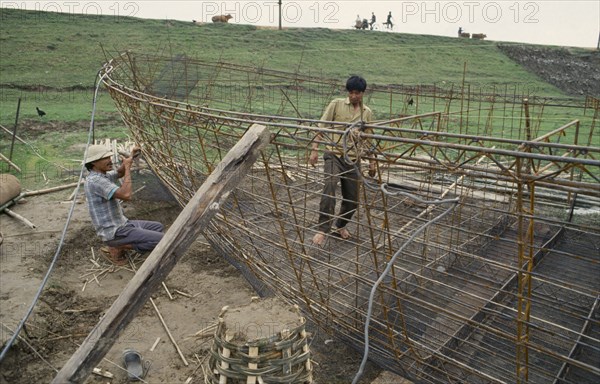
575	72
83	285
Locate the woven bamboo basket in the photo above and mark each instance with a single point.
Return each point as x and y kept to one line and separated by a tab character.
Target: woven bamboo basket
263	342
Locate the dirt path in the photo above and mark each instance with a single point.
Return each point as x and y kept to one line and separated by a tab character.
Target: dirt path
73	301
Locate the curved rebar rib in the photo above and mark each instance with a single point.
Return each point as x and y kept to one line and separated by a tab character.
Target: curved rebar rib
507	277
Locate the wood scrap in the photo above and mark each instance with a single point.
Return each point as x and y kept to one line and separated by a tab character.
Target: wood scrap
19	218
99	372
155	344
167	290
207	331
182	293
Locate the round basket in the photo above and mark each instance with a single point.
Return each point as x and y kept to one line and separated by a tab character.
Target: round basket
264	342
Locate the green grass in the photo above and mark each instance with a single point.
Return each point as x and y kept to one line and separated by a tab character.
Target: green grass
52	60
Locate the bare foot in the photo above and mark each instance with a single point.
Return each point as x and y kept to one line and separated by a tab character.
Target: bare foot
116	256
343	232
319	239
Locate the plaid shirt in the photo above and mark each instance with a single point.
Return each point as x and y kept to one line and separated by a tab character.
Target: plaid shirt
106	212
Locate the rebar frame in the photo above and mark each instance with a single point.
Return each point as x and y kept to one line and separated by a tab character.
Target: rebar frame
504	289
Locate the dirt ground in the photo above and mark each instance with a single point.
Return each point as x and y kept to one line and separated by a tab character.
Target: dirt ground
576	73
83	285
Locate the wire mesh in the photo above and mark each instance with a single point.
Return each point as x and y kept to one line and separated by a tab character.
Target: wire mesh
503	289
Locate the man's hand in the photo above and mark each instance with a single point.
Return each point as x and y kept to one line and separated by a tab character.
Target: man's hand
314	153
126	161
314	157
372	169
135	151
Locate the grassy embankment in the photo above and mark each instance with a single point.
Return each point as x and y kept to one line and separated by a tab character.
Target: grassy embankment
51	61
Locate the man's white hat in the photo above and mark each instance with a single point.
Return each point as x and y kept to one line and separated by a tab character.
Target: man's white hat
97	152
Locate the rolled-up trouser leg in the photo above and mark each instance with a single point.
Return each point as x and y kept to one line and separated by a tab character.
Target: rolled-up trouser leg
327	205
350	186
142	235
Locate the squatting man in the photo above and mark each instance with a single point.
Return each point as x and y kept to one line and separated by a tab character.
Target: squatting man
350	109
103	198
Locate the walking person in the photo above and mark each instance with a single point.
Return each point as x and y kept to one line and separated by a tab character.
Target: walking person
103	198
373	20
349	109
389	24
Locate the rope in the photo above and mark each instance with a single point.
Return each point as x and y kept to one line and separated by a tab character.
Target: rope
63	235
352	132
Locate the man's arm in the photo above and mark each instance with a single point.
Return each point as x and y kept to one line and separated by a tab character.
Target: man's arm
314	153
328	115
135	151
126	189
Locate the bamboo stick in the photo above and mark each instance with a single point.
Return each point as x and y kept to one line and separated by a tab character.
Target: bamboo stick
19	217
49	190
169	333
10	163
12	134
155	344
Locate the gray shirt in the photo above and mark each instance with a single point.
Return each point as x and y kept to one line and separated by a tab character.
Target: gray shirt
106	212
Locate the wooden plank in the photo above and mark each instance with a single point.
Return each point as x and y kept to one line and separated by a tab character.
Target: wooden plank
189	224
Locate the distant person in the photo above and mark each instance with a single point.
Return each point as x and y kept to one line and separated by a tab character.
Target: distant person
373	20
388	22
460	30
103	195
349	109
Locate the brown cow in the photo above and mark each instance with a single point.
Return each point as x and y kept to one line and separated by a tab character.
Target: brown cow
478	36
465	34
221	18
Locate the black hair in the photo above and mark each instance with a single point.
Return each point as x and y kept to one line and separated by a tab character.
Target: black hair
89	166
356	83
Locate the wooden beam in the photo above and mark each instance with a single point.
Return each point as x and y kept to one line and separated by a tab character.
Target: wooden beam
189	224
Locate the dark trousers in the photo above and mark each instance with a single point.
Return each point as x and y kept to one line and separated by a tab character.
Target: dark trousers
141	234
335	170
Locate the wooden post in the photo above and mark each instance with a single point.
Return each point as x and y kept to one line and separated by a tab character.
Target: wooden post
189	224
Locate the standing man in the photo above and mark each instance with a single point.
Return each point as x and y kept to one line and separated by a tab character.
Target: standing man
103	196
373	20
349	109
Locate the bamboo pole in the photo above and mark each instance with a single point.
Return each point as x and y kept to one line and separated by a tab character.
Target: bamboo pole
169	333
16	137
10	163
194	218
49	190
